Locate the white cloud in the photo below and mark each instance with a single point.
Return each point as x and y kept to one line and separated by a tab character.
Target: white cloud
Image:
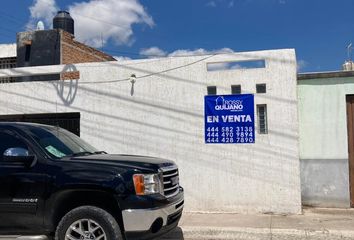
211	4
121	58
236	66
187	52
200	51
215	3
153	52
217	66
223	66
98	21
43	10
301	64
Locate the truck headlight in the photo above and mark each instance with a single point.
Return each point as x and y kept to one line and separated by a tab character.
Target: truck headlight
146	184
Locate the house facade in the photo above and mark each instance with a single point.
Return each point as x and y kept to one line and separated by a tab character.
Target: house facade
155	107
326	138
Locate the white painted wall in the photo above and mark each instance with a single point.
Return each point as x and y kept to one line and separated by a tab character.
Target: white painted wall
8	50
164	118
323	141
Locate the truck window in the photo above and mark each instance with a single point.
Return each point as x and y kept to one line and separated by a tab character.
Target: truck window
59	143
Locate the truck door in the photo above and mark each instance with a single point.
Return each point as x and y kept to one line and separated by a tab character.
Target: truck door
22	188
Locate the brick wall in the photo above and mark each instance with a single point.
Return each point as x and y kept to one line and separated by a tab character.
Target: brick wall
70	75
75	52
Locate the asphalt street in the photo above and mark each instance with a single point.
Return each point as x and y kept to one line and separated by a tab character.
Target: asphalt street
313	224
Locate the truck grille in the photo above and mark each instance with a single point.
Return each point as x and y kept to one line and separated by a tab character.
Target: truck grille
170	181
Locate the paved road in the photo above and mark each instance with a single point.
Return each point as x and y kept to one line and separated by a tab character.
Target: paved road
314	224
251	234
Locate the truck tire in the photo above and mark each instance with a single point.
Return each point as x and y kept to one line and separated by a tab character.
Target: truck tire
88	223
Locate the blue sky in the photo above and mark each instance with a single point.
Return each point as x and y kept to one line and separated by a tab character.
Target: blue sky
319	30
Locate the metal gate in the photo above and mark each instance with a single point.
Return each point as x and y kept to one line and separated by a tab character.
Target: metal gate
69	121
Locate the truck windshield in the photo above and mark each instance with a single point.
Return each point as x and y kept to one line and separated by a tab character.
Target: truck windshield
59	143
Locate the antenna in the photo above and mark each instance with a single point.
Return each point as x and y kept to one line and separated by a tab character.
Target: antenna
101	41
349	51
349	64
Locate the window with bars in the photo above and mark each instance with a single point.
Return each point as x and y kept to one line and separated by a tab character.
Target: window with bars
211	90
262	119
5	63
236	89
9	62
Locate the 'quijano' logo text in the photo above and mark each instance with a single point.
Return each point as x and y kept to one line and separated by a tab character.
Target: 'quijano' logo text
232	105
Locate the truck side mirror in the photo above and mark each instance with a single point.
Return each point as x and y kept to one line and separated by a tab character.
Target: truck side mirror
18	155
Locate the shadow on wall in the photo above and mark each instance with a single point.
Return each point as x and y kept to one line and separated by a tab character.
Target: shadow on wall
256	170
176	234
67	89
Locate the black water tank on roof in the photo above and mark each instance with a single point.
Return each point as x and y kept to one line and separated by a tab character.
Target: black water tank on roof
64	21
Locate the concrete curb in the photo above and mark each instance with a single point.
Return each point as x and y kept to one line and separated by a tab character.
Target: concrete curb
209	233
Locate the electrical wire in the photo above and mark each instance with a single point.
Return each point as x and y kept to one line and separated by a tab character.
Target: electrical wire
4	35
124	27
7	29
123	53
14	19
98	20
151	74
159	56
134	53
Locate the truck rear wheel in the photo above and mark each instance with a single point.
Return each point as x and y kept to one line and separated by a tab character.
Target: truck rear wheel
88	223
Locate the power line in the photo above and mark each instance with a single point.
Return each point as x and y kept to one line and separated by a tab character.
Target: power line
8	30
147	75
5	35
15	18
112	24
151	74
120	26
168	55
98	20
21	20
11	18
122	52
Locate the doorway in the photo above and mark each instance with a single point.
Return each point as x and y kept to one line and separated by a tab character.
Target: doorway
350	123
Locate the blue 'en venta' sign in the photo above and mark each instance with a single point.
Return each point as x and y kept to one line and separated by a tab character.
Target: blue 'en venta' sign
229	118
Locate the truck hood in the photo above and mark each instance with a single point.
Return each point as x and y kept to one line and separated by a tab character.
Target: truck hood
133	161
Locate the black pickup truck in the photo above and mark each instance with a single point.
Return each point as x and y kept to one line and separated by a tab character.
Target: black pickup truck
55	185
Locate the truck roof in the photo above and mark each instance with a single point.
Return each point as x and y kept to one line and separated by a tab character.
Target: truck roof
24	124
